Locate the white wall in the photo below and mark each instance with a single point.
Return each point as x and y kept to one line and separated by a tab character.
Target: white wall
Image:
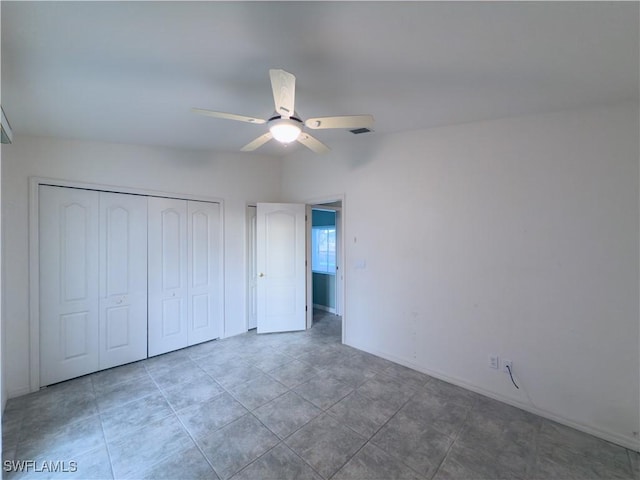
517	237
236	178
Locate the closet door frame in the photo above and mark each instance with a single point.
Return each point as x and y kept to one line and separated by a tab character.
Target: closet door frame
34	253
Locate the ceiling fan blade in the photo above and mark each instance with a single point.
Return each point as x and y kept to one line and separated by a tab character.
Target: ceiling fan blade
312	143
228	116
258	142
346	121
283	85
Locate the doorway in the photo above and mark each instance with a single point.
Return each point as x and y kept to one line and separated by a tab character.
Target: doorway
326	277
323	259
334	307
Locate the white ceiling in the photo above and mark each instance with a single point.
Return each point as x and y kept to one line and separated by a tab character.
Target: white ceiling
129	72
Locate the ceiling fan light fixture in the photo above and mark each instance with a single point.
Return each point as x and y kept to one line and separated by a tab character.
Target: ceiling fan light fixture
285	125
285	130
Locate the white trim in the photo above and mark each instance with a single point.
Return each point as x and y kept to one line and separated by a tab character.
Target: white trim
324	308
116	189
34	286
247	258
34	255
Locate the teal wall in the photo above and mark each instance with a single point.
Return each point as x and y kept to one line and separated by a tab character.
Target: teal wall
324	286
323	218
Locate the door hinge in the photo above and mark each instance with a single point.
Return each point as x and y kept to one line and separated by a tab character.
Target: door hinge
306	308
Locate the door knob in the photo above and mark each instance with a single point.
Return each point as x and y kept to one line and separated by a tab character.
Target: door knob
261	275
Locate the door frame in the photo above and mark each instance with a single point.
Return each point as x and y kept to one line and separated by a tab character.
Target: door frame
337	309
249	254
340	277
321	202
34	253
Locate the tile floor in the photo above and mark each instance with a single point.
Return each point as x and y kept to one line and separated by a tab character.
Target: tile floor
285	406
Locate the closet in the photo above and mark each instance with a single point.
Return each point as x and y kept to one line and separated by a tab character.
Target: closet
124	277
185	282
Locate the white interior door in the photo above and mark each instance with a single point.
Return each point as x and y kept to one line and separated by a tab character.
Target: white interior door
123	278
204	311
69	280
167	281
281	244
252	272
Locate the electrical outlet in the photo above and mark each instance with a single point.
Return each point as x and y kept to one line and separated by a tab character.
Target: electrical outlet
494	362
507	363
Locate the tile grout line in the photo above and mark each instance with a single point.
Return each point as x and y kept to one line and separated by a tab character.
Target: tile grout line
281	441
19	434
104	436
149	373
175	413
369	440
327	413
22	441
536	448
301	426
455	438
228	390
249	412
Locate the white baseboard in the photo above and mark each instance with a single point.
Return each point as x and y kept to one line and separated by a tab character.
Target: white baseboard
18	392
622	440
324	308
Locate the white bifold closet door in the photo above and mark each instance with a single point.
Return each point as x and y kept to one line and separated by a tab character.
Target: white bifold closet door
69	299
92	281
204	270
123	279
185	273
167	282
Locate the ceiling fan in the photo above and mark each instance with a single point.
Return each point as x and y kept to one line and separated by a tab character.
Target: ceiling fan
285	125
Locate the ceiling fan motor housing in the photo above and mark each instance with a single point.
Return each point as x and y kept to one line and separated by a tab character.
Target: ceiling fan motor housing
285	130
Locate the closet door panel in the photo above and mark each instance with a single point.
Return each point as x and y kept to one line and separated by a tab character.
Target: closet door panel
123	278
205	271
167	275
68	243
